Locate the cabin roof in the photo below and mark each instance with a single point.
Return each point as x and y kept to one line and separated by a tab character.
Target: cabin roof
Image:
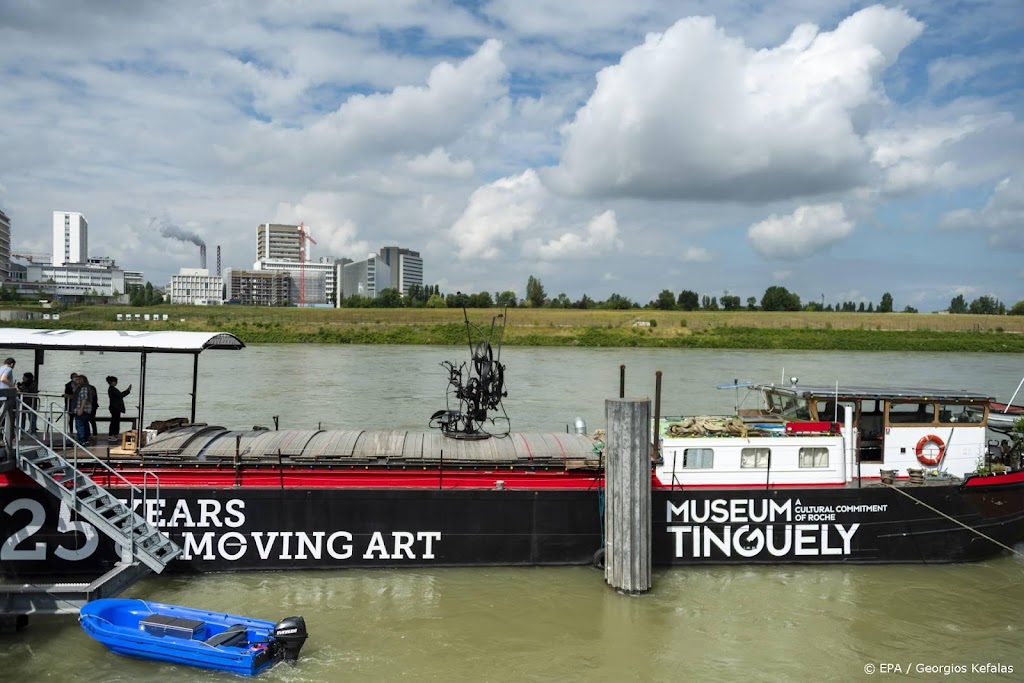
117	340
849	392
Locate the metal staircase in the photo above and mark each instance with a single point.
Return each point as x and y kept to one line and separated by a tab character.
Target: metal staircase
143	547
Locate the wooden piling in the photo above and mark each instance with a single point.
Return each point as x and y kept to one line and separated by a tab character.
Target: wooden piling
628	495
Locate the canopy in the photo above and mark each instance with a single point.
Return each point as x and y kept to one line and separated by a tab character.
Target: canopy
128	341
117	340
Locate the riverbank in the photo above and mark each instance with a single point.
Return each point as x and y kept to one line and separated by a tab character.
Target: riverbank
567	327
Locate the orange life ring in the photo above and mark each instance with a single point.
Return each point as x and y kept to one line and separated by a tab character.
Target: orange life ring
925	440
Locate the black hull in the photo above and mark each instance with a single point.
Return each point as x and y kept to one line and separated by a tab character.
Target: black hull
278	529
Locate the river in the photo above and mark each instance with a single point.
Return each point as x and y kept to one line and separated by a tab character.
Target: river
557	624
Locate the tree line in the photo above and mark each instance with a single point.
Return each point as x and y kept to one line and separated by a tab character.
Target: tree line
775	298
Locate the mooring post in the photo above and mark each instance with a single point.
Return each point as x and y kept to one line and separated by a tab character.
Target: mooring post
627	520
622	381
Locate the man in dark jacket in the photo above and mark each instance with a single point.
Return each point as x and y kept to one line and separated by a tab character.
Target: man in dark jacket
116	397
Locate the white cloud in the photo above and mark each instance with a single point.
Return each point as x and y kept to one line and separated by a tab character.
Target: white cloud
439	163
496	214
808	230
696	255
601	236
320	212
458	101
1002	216
694	113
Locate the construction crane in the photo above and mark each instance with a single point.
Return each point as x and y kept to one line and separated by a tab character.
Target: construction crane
303	236
31	258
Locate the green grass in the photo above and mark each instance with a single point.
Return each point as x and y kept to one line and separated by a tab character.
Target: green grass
557	327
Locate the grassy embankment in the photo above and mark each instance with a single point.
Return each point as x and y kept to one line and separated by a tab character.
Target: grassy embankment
557	327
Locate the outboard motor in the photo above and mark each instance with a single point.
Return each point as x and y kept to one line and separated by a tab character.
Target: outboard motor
290	635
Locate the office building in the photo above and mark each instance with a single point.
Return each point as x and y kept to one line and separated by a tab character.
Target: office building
70	238
5	247
197	287
278	242
406	268
78	281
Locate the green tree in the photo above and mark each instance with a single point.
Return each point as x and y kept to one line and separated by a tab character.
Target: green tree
535	292
986	305
457	300
751	303
779	299
1017	308
886	304
617	302
909	309
507	299
436	301
688	301
730	302
666	301
388	298
584	303
561	301
480	300
957	304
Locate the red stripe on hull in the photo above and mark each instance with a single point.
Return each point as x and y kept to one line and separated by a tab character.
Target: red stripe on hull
366	479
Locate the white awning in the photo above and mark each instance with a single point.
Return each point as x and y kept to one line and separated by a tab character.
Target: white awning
117	340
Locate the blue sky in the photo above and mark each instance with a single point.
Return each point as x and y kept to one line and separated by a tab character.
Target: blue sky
839	149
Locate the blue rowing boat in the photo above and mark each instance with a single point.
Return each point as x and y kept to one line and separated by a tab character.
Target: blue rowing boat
183	635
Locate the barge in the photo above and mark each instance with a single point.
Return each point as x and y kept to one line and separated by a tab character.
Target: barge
812	474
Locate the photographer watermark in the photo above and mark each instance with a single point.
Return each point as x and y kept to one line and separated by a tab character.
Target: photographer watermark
903	668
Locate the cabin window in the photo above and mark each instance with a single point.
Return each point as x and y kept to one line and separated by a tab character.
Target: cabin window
813	457
795	408
698	458
911	413
958	413
755	457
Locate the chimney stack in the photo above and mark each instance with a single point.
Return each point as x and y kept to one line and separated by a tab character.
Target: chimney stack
218	260
202	256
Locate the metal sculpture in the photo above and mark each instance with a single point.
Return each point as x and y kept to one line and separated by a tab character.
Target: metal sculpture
482	390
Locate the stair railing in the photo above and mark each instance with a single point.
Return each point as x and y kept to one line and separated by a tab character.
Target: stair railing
79	453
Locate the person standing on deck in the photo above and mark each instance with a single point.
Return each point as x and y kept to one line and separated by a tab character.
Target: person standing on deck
30	397
94	404
83	409
70	401
7	382
116	397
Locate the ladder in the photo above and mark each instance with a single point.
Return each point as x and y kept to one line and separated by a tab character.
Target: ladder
144	548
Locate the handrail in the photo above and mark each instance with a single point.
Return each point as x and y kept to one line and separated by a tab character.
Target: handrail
50	427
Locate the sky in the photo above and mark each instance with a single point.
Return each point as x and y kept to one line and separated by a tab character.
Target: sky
841	150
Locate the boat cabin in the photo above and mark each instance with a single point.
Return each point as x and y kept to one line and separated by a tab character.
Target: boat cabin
827	435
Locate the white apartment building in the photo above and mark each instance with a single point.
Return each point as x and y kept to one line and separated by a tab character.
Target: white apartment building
70	238
195	286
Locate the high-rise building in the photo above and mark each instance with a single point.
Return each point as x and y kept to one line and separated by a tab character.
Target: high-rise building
5	247
70	238
276	241
406	268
